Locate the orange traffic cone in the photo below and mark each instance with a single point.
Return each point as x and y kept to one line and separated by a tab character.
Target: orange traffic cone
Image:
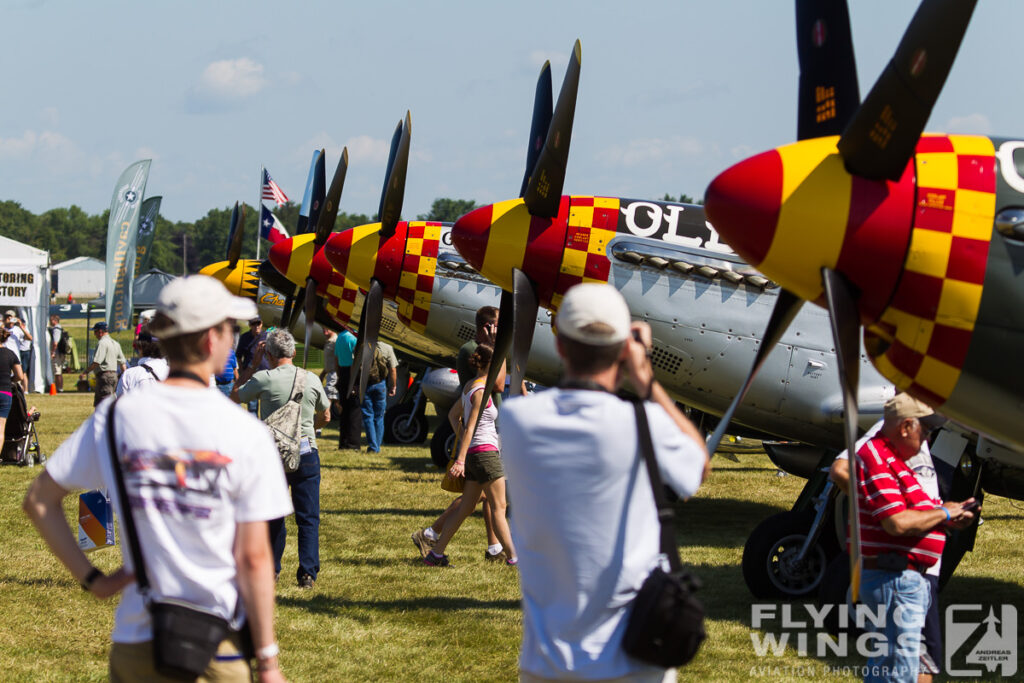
53	389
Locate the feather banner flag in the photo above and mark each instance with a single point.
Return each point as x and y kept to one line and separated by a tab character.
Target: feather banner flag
122	233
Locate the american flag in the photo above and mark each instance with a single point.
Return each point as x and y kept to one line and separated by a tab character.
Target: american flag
271	190
271	227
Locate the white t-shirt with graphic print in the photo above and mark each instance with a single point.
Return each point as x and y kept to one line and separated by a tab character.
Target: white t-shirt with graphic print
195	465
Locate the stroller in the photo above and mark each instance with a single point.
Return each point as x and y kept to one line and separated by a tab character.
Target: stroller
21	443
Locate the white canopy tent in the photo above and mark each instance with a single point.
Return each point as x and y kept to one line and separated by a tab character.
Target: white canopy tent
25	287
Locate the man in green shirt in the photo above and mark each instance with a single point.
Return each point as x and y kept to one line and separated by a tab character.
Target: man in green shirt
107	363
273	388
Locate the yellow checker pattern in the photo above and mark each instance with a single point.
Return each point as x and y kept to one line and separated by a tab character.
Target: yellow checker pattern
416	283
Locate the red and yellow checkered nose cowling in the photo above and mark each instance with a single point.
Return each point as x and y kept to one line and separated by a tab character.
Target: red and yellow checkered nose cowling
404	264
916	249
556	253
795	210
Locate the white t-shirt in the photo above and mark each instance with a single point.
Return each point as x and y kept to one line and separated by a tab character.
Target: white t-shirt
195	466
585	524
133	378
924	470
15	339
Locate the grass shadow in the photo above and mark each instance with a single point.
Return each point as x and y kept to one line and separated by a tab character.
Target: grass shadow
323	604
733	521
398	512
405	463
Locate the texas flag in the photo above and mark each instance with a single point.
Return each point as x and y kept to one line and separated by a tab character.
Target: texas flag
271	227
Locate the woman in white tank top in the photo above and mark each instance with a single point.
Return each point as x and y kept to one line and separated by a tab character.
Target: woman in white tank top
478	458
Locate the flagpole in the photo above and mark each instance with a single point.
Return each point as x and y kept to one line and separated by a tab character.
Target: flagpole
259	213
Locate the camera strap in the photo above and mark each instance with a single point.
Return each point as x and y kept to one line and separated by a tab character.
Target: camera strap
666	513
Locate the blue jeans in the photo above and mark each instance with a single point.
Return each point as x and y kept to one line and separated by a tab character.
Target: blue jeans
305	485
905	597
374	404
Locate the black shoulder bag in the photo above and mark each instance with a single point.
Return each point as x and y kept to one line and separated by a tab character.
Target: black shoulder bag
666	626
185	637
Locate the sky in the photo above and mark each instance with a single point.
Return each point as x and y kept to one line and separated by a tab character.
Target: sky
671	93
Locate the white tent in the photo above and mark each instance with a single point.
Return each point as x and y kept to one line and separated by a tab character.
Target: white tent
25	287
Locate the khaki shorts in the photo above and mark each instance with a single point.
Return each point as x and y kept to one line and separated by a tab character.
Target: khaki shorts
58	364
106	385
484	467
134	662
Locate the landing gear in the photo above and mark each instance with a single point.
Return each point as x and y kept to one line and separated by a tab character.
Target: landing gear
405	424
782	559
441	444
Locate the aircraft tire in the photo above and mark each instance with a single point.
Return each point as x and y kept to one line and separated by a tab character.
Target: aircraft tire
441	444
401	425
769	567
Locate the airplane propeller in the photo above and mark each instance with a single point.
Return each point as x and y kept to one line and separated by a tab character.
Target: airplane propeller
542	193
327	215
309	214
236	231
390	210
877	143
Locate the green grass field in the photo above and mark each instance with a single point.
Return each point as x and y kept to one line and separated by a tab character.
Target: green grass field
377	614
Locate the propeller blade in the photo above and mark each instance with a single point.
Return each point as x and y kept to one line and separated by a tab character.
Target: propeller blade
544	191
307	196
369	328
785	310
296	309
842	307
310	310
542	104
396	137
317	192
524	321
881	137
394	190
502	343
828	93
329	214
235	237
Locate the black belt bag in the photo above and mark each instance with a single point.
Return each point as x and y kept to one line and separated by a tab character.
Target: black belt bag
666	626
185	636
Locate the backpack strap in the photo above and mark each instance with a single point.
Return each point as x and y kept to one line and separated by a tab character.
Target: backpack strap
128	522
150	371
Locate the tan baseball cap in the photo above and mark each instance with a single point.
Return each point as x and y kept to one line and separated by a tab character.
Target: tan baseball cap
903	406
198	302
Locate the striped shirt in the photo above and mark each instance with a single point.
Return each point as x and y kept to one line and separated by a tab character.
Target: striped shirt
886	486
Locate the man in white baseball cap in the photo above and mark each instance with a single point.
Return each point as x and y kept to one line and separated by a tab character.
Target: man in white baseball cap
585	527
203	478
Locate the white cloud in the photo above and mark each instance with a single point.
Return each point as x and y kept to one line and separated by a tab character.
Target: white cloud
52	149
226	83
650	150
233	78
977	124
367	150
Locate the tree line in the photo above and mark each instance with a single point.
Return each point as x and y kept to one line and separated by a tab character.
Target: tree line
71	232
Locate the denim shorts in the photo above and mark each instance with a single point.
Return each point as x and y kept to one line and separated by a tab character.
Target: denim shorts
5	404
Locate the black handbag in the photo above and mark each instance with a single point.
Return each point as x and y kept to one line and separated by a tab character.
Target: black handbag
666	626
185	637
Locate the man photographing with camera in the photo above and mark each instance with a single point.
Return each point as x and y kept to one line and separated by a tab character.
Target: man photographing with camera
585	522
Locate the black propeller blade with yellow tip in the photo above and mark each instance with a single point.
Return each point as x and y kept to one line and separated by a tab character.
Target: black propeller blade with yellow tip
325	224
394	181
544	190
236	232
542	103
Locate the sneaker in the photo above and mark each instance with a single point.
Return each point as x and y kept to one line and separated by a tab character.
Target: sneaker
306	581
424	544
432	560
501	556
512	563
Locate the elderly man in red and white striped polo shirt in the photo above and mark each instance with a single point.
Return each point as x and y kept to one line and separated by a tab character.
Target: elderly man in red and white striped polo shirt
901	536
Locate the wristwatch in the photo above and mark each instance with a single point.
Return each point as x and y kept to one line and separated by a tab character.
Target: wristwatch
90	578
